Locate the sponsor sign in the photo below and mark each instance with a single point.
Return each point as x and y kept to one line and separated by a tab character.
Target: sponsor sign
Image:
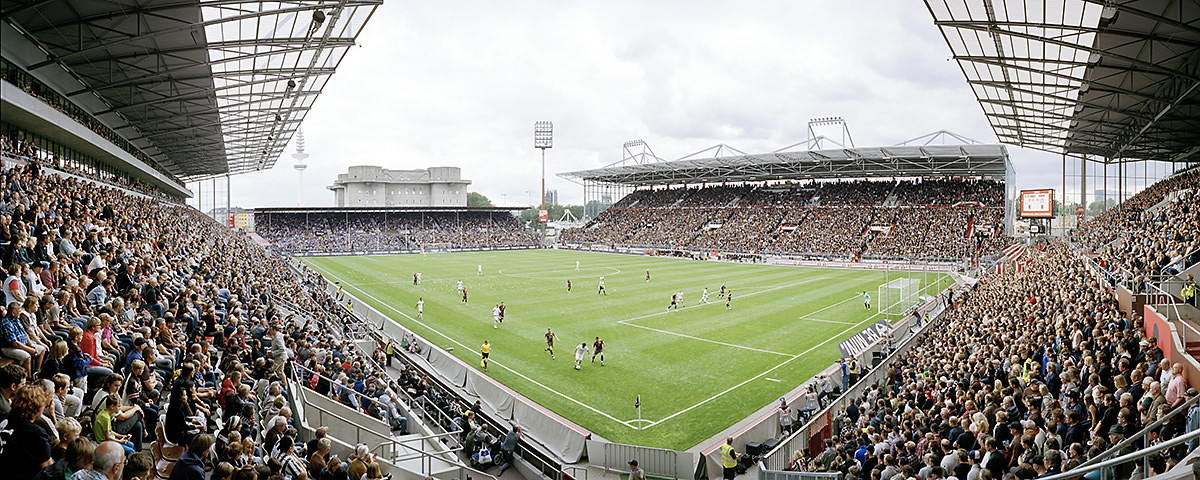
862	340
543	215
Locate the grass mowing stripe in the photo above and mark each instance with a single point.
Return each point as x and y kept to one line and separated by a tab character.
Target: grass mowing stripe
669	372
497	363
785	362
629	321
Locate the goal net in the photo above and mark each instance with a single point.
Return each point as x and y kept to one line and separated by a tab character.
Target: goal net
898	296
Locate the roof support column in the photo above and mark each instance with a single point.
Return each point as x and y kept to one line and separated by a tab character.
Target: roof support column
1083	187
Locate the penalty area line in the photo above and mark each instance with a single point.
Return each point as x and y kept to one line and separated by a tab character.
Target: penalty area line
494	362
761	375
629	321
808	319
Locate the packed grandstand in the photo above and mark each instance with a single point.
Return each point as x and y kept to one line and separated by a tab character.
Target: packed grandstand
375	232
190	327
143	339
917	220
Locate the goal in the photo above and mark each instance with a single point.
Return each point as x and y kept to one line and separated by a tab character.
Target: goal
898	296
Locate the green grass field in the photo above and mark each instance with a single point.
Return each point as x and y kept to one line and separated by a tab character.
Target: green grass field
698	369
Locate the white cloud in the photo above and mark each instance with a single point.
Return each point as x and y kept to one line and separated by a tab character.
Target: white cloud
462	82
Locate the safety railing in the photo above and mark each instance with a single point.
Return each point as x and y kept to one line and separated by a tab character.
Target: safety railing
545	464
1106	466
309	373
656	462
359	430
391	446
778	458
399	450
1141	435
764	474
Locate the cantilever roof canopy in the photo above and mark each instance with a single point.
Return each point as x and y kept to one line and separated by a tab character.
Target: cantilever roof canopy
203	87
910	159
1110	80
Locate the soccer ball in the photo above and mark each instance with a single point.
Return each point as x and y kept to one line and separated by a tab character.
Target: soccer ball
577	367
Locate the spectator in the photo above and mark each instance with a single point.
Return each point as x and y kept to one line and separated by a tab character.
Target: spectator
191	464
25	447
77	456
108	462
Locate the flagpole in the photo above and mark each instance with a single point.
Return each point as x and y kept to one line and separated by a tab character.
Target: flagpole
639	408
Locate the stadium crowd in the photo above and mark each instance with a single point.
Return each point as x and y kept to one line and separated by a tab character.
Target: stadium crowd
374	232
1138	242
145	336
1033	373
933	219
20	149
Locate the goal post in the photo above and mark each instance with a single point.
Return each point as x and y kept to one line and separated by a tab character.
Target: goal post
898	296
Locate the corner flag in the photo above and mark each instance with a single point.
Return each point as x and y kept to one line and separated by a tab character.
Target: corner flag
638	403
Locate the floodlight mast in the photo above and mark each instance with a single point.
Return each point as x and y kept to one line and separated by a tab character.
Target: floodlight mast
543	138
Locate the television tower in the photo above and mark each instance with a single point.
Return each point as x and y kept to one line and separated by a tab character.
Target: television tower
300	156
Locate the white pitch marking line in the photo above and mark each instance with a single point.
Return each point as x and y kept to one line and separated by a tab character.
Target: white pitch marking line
763	374
530	380
827	307
629	322
698	304
704	339
807	319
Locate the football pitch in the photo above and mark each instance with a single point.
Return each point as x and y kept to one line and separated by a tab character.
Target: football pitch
698	369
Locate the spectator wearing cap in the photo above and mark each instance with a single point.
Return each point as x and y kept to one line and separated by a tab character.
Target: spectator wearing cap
99	262
635	472
135	353
1116	435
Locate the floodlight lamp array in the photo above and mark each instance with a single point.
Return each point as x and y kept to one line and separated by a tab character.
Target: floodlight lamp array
543	135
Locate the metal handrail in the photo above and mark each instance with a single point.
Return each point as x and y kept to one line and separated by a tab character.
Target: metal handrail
547	464
371	329
358	429
412	403
869	377
1158	292
399	442
335	382
1141	434
1081	470
426	456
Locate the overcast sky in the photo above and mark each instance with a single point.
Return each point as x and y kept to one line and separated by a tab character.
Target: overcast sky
461	83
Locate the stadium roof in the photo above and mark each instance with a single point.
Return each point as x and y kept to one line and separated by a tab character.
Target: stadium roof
918	157
202	87
1111	80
